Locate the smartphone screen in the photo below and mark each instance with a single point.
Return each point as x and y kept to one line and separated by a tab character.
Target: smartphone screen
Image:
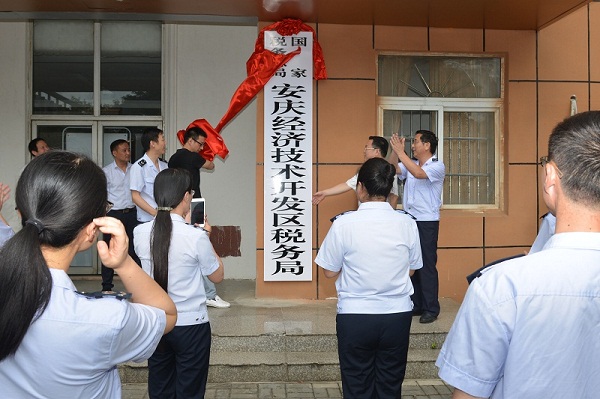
197	212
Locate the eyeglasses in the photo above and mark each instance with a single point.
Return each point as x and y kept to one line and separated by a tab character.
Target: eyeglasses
192	192
370	148
109	206
544	161
199	143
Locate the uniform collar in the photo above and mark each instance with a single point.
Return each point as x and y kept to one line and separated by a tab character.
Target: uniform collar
374	205
574	240
176	218
432	159
61	279
115	166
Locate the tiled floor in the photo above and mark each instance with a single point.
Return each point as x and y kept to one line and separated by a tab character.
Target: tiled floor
411	389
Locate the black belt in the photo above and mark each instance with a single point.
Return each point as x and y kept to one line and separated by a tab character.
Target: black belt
126	210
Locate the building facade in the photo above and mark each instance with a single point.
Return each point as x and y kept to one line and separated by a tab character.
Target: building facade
202	65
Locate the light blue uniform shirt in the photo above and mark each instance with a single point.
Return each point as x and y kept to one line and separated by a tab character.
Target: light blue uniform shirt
190	256
547	229
119	192
141	178
374	247
6	233
422	198
529	327
73	349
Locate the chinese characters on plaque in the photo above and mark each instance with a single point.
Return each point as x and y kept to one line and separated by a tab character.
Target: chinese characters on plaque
288	161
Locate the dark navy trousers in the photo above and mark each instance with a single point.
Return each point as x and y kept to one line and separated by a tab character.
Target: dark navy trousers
129	220
179	366
372	349
425	280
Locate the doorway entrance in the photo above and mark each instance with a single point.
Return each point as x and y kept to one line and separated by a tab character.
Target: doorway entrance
93	139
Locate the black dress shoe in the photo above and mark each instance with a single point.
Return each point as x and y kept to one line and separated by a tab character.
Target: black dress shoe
417	312
427	318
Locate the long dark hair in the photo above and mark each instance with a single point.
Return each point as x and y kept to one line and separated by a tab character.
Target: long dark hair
58	194
377	177
170	187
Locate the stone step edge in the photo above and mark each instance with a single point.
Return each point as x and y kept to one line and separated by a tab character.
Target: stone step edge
306	343
235	359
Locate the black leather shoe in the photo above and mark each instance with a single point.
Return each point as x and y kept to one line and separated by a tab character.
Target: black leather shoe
427	318
417	312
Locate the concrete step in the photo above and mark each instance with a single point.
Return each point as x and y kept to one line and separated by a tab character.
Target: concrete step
276	340
307	343
285	365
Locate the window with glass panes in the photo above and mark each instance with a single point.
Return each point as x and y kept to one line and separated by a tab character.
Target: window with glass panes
460	99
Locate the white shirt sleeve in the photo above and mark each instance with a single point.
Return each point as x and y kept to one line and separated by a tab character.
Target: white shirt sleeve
136	178
331	255
141	330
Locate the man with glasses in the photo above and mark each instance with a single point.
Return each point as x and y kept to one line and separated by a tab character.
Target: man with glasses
376	147
528	327
119	195
188	158
424	181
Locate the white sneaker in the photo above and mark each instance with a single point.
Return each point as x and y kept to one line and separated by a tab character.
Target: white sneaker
217	302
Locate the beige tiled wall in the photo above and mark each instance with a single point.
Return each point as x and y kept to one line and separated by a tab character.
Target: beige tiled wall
544	69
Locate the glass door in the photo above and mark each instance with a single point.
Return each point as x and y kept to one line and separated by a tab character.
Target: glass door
93	139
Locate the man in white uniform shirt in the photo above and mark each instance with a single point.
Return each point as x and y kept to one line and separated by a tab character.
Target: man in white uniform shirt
144	171
376	147
119	194
528	327
422	198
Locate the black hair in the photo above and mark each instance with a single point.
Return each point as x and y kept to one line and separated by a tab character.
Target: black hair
381	144
574	146
33	144
150	134
377	177
58	194
116	143
427	136
170	187
193	133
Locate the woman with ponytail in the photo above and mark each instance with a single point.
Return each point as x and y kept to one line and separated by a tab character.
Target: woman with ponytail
54	341
177	255
372	252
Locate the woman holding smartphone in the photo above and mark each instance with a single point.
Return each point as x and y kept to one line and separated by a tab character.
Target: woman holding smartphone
177	255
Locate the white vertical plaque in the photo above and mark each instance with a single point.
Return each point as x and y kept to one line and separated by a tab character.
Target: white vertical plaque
288	115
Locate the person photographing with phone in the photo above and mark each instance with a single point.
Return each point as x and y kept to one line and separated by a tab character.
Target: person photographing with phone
177	255
188	158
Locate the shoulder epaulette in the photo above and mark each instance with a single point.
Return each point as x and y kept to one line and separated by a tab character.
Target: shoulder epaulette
120	295
406	213
142	162
479	272
340	214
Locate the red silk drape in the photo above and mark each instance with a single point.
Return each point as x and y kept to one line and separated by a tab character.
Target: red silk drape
260	67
